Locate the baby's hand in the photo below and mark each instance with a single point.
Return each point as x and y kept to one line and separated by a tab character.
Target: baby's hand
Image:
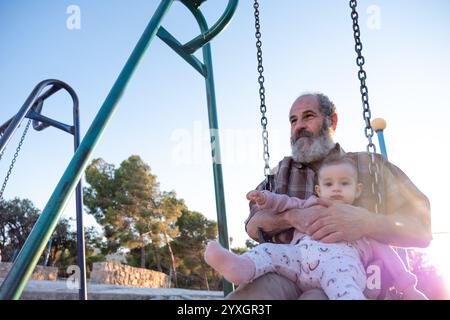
257	196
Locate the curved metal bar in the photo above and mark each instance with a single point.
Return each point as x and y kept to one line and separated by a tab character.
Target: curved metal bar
27	106
32	109
208	34
38	105
33	105
41	122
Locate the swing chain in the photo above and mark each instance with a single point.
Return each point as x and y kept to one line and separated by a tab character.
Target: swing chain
262	91
374	169
14	159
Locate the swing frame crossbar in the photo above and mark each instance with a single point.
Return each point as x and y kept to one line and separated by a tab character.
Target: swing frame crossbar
32	109
14	283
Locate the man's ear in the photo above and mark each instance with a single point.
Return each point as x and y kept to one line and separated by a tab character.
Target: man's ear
334	121
317	189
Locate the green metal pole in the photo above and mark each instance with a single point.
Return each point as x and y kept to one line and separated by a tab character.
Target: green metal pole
215	146
28	257
206	70
216	158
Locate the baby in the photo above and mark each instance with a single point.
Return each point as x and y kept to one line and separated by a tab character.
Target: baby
337	268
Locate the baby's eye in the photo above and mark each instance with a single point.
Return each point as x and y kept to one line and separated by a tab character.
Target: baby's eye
328	184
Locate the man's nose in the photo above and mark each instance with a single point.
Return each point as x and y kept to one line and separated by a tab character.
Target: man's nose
299	126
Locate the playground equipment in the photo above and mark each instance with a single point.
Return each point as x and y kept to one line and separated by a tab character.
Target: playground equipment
362	76
16	280
32	109
25	262
379	125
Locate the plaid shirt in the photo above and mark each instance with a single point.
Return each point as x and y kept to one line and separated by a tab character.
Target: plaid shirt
398	193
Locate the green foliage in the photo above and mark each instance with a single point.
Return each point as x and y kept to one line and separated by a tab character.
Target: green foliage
249	244
123	201
17	218
129	206
189	247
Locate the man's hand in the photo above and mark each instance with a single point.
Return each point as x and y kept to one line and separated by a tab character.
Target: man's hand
301	219
339	222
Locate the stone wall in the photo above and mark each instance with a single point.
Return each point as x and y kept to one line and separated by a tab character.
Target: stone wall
116	273
39	273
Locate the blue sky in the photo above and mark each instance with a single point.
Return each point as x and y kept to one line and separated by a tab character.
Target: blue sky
307	46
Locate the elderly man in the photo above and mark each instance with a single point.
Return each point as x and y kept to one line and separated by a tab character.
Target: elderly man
404	218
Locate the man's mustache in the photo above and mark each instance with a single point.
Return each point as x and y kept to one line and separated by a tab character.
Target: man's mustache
303	133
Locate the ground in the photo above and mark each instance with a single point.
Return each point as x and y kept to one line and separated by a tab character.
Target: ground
59	290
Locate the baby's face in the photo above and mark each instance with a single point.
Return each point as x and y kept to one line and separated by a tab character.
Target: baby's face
338	182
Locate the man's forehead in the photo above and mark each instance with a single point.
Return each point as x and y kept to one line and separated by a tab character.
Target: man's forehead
303	104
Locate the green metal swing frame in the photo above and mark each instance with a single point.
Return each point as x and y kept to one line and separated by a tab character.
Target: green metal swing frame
16	280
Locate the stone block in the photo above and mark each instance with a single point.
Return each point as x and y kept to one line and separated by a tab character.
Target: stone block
115	273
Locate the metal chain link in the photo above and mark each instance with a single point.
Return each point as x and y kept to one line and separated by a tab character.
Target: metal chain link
14	159
374	169
262	92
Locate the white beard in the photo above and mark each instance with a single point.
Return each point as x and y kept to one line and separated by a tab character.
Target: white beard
307	150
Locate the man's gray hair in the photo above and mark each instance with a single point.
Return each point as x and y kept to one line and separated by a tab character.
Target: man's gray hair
327	106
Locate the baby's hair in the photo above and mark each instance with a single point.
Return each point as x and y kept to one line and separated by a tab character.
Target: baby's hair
338	159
